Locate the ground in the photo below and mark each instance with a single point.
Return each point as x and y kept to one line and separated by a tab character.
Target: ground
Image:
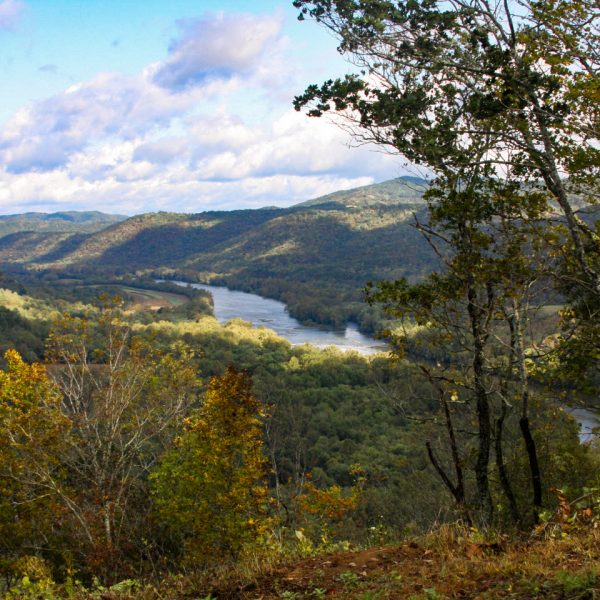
436	567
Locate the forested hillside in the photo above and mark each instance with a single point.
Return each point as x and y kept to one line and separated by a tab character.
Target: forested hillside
317	256
342	438
68	221
149	451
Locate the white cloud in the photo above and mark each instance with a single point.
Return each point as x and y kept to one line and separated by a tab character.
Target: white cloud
216	164
293	145
44	135
222	132
203	129
10	13
216	46
163	150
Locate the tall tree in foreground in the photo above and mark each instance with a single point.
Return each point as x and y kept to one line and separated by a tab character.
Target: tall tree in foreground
475	308
211	488
494	97
124	400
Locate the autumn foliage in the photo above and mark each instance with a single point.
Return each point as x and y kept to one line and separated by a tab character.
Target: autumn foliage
211	487
32	431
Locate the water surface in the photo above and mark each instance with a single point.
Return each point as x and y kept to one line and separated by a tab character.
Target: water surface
587	419
230	304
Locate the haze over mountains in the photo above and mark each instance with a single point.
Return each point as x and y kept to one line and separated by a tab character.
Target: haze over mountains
67	221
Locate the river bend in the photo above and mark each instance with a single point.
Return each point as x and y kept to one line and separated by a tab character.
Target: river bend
230	304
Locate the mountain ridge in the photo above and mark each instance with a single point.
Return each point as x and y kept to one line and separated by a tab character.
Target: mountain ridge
57	222
313	256
406	188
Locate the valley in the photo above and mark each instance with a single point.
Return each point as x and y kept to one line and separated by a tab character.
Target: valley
247	353
316	257
263	312
337	405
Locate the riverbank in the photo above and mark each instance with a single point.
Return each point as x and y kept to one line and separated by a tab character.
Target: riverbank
589	422
266	312
273	314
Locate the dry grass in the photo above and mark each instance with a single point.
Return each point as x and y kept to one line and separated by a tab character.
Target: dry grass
451	562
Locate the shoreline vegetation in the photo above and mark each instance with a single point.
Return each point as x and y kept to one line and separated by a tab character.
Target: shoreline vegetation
327	412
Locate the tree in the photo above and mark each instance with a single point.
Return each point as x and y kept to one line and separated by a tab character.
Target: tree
32	431
123	399
211	488
511	83
494	97
474	307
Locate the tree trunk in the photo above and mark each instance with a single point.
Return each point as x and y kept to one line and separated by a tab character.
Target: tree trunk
546	163
530	447
484	498
502	474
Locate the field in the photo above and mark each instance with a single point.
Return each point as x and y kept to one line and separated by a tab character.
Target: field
147	299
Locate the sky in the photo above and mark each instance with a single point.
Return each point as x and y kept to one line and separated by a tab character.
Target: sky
130	106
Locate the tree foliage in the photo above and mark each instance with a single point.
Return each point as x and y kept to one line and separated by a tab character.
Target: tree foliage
493	97
512	85
32	430
211	487
123	399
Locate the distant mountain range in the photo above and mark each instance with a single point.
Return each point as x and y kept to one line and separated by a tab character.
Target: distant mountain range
68	221
210	241
404	189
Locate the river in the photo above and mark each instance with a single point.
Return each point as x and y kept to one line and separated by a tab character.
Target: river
588	420
230	304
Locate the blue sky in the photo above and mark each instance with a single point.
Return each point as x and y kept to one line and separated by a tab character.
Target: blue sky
129	106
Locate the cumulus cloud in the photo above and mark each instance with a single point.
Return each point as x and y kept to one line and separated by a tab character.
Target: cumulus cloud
216	47
172	190
162	151
184	134
10	13
44	135
217	163
292	145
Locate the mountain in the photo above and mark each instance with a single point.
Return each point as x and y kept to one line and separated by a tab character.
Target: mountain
68	221
317	227
314	255
403	190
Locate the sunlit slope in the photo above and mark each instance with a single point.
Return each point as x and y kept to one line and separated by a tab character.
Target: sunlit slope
350	237
345	245
403	190
147	240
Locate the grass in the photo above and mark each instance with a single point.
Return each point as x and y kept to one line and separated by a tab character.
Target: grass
145	298
153	298
451	562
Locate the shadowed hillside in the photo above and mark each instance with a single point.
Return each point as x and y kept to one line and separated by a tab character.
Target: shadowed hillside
313	255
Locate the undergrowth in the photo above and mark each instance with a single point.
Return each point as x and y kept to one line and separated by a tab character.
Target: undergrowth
452	561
